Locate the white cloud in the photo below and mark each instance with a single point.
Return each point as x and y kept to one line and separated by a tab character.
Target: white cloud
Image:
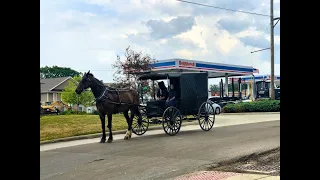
265	68
184	53
251	31
196	35
226	43
88	39
276	39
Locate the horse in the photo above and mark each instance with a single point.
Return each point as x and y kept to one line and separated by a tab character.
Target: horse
110	101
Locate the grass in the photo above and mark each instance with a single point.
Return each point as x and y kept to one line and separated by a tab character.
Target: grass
60	126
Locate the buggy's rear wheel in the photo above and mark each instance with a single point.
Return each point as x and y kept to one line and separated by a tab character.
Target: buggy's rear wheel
206	116
171	121
140	125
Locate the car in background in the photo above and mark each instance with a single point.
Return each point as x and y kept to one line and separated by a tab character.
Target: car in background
224	103
217	108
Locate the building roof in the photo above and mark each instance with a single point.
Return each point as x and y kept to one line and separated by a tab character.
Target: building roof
49	84
260	77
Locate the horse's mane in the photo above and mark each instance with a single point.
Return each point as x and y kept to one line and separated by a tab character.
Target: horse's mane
112	88
99	83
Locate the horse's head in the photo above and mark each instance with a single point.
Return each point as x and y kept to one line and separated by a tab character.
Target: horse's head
85	82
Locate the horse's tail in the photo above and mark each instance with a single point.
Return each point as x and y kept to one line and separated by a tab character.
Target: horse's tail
137	100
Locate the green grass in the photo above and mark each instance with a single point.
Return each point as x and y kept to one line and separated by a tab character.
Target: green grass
60	126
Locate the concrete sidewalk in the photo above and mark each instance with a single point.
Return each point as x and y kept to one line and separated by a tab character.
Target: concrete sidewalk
216	175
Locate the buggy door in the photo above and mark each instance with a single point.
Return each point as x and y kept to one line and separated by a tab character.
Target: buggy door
194	91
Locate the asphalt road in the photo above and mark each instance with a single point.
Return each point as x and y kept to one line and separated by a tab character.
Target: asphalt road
158	156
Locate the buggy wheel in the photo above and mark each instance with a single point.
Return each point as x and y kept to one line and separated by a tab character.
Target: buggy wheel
140	125
171	121
206	116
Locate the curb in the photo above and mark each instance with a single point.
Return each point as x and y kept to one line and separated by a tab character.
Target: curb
96	135
248	113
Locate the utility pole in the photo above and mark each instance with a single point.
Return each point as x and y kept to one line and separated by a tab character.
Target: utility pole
272	50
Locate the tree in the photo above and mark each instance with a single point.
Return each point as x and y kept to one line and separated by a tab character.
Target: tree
214	88
127	70
55	71
236	87
69	95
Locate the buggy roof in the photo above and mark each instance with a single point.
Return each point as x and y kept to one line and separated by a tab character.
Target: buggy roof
214	70
158	76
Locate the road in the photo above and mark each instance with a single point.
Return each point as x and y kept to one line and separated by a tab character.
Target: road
267	163
158	156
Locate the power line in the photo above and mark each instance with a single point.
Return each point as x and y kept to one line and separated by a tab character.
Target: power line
259	50
216	7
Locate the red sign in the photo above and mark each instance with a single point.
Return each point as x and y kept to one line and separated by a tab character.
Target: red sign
234	79
186	64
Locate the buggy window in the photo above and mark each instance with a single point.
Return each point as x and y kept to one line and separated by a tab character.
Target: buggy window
176	84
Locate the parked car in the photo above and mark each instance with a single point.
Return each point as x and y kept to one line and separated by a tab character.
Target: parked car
224	103
217	108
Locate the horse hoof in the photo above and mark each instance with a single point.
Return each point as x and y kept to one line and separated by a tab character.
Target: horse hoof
109	141
102	141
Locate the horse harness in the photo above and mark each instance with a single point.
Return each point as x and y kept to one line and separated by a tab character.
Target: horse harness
104	96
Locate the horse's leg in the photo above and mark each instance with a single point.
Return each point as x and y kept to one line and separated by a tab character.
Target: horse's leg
134	111
137	112
103	126
110	139
129	122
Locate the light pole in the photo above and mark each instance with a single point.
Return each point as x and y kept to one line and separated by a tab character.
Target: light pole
272	25
40	97
272	50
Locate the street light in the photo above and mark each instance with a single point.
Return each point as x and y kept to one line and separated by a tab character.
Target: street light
272	25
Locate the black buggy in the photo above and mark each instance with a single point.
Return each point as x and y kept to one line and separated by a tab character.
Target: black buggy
192	95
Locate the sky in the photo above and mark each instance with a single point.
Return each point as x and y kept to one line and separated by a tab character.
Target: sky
89	34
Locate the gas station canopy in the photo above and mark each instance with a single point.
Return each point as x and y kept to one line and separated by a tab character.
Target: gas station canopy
215	70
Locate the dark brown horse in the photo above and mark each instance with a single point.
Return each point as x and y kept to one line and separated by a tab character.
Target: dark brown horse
111	101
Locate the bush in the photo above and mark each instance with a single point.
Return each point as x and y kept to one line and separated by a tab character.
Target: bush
95	112
256	106
71	112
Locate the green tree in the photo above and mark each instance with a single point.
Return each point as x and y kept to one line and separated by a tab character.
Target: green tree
214	88
236	87
56	71
128	69
69	95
